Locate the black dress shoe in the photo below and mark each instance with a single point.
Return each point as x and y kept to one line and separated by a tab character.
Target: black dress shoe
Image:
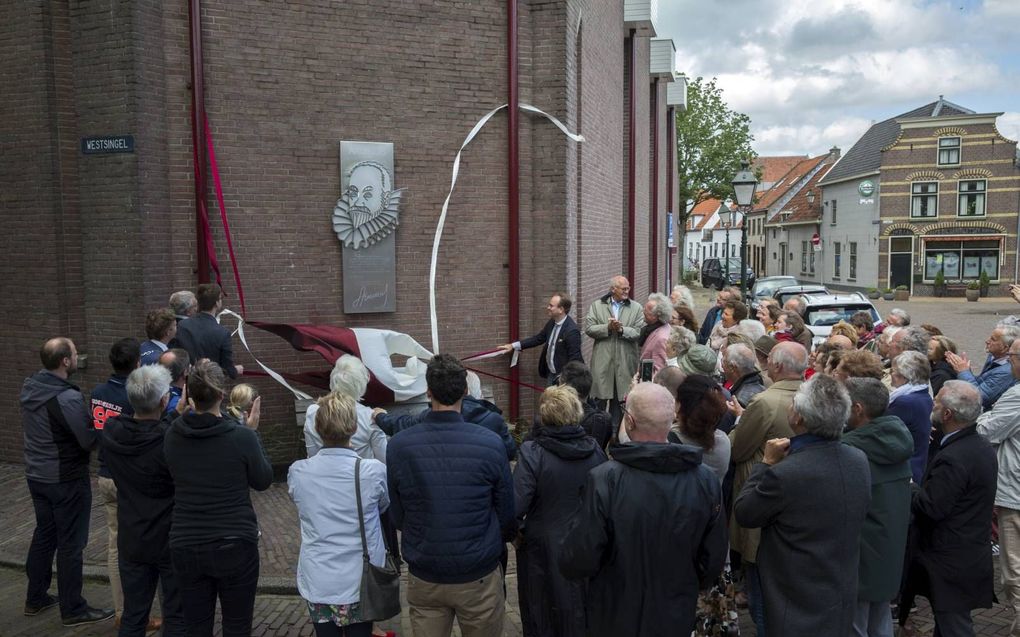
90	616
34	609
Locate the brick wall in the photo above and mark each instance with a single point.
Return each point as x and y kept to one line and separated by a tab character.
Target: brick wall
103	239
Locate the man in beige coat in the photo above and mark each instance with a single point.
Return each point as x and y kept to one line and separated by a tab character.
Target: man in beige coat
764	419
615	324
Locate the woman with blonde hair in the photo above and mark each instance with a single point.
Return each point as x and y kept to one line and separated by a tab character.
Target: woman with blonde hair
941	370
326	489
551	470
242	401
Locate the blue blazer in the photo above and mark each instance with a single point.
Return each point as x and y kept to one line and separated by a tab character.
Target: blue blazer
914	409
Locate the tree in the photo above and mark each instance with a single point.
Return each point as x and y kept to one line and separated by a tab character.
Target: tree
711	142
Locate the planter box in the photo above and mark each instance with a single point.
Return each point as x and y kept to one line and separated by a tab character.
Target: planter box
874	295
888	296
901	295
972	295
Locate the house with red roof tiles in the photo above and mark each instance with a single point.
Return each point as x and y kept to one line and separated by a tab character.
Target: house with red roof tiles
711	232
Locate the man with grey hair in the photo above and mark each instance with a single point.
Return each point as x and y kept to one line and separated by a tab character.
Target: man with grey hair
809	496
995	377
765	419
615	538
714	314
897	317
740	368
133	450
350	378
909	339
184	304
884	439
657	313
796	304
614	323
1001	427
752	329
951	561
681	295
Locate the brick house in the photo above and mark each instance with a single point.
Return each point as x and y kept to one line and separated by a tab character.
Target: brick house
96	241
934	189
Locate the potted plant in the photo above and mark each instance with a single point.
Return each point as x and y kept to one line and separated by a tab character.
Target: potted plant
973	291
983	282
940	284
887	294
873	293
902	293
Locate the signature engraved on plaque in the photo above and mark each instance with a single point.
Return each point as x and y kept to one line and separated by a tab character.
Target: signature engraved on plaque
369	209
366	297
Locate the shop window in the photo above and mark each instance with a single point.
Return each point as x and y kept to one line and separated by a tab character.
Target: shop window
962	260
924	199
949	151
972	198
852	248
836	256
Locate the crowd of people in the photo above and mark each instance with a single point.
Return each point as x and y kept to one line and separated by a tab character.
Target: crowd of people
686	470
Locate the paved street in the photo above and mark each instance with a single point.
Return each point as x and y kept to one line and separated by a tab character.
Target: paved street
278	609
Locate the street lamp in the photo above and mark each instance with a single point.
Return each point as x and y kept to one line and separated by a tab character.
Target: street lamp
744	185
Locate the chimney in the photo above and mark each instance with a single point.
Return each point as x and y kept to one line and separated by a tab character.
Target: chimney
834	152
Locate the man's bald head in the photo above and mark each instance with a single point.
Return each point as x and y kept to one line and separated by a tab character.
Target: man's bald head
841	342
650	409
619	287
59	355
787	361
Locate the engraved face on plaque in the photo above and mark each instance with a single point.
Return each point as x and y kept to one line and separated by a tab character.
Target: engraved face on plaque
365	219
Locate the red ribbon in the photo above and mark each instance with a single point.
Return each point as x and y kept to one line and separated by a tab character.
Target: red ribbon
223	217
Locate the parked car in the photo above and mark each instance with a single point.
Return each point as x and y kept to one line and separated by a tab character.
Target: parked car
784	294
825	310
713	273
766	286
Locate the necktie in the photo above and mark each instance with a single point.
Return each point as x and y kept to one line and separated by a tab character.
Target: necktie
551	348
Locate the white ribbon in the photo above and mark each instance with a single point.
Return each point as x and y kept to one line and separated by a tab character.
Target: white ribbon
446	204
280	379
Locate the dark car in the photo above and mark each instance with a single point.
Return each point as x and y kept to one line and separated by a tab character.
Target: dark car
714	273
766	286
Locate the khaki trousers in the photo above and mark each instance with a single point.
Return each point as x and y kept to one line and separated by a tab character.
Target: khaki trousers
479	606
1009	554
108	496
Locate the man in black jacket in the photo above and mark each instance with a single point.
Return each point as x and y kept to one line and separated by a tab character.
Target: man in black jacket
203	337
561	333
652	514
951	558
133	447
595	422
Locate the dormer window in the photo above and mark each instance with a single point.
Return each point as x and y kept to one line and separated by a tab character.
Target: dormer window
949	151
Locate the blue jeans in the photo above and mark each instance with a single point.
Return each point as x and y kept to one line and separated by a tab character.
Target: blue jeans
61	526
755	601
228	570
139	582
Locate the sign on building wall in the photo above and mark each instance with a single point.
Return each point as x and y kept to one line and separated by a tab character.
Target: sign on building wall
105	144
365	220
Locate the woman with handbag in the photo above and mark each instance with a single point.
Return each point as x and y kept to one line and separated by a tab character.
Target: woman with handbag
344	571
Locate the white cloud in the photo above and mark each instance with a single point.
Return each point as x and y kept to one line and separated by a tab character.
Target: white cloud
813	73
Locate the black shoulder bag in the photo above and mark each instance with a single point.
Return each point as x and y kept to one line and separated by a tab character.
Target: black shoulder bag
380	587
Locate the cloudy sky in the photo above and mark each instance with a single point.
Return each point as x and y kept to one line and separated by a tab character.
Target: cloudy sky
813	73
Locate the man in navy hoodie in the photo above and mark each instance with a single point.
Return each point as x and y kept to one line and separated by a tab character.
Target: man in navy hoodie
452	496
57	445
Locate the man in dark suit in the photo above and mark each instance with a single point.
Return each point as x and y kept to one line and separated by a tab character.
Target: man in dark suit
561	332
203	337
950	560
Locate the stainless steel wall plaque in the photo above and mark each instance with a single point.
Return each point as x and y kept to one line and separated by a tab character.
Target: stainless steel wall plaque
365	220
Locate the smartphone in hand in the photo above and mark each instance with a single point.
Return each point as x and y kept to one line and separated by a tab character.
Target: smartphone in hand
647	366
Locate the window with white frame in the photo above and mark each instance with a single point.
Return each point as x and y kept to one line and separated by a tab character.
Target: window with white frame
971	198
962	260
924	199
852	252
832	204
811	260
949	151
836	256
804	248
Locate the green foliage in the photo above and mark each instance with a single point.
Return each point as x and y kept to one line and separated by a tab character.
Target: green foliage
973	285
887	291
940	279
902	288
711	142
983	279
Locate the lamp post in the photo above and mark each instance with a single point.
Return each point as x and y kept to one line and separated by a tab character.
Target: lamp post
744	185
726	251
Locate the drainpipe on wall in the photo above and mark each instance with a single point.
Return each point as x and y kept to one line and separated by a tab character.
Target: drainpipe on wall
513	193
631	159
198	137
670	150
653	268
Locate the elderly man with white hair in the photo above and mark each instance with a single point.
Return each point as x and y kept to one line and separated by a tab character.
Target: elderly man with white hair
350	377
995	377
951	561
740	367
809	496
650	530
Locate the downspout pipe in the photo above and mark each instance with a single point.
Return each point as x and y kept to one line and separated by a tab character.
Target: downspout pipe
670	151
653	267
631	158
513	194
198	137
